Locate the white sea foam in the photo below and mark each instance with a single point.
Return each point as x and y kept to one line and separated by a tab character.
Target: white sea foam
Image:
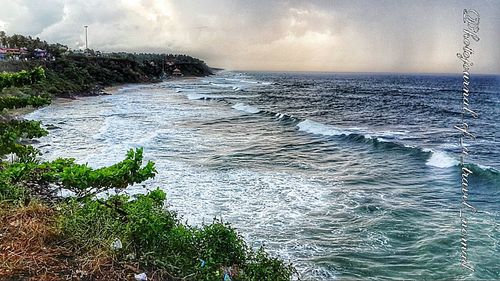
317	128
181	89
392	134
487	168
383	139
246	108
100	135
484	167
280	115
247	81
194	96
440	159
222	85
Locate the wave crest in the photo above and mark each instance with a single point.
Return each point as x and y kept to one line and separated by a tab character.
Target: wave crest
317	128
440	159
246	108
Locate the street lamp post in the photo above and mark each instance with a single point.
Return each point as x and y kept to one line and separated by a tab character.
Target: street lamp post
86	37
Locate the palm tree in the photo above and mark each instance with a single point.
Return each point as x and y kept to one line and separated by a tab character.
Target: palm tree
3	38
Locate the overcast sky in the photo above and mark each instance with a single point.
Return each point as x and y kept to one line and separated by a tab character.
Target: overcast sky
388	36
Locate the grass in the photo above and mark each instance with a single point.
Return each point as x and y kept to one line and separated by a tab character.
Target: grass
28	244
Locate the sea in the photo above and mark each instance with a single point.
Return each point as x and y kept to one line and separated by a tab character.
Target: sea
347	176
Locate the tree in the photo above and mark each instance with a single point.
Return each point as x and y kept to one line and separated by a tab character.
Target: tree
3	38
20	41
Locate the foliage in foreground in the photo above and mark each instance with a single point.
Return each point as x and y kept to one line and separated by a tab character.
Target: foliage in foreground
159	241
80	179
11	134
141	230
28	244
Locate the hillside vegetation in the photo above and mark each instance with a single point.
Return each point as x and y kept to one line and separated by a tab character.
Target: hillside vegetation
69	73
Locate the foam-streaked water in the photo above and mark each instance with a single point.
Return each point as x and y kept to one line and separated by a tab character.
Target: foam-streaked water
348	176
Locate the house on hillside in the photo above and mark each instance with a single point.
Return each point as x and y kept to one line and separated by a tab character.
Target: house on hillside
177	72
40	54
3	54
24	53
13	53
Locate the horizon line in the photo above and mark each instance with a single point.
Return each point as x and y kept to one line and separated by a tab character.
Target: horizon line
362	72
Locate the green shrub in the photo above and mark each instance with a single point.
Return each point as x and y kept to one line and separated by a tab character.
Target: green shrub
21	78
157	239
11	133
217	238
8	191
81	179
10	102
263	267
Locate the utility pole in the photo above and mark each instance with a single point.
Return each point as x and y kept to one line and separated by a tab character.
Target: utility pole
86	38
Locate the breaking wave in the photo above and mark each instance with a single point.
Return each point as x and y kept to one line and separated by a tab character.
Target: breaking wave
438	159
246	108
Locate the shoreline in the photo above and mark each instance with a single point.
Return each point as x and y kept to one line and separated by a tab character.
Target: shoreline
111	90
19	113
108	90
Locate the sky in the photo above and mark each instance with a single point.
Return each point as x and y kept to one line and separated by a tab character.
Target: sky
329	35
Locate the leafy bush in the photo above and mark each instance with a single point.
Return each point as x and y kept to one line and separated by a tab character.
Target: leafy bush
81	179
157	239
8	191
10	102
21	78
263	267
11	133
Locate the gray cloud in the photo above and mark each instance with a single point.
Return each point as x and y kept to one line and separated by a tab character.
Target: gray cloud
30	17
413	36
